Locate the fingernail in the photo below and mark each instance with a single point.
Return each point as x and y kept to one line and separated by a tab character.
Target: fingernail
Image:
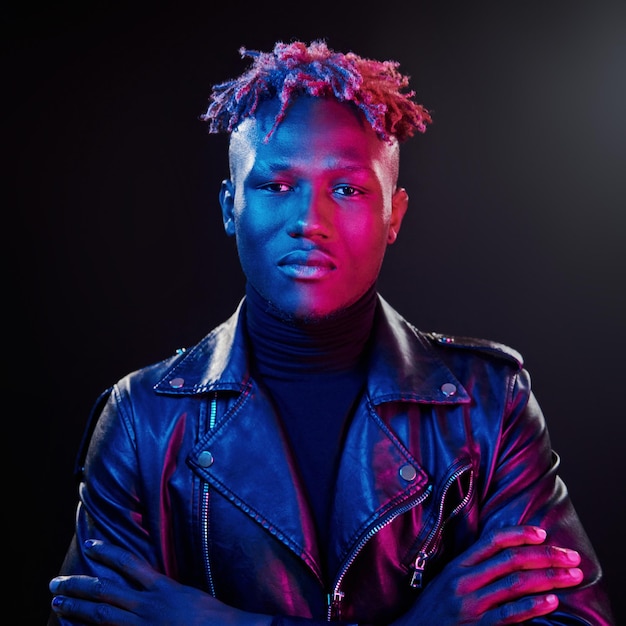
57	602
571	555
541	533
89	543
576	573
54	585
551	599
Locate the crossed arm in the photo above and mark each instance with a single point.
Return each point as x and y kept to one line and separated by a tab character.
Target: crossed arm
508	577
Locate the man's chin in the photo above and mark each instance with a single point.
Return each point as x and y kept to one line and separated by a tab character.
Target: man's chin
299	315
307	317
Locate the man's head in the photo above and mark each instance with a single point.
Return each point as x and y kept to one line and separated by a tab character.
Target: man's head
312	197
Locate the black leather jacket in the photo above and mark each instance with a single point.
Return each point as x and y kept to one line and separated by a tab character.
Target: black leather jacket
188	468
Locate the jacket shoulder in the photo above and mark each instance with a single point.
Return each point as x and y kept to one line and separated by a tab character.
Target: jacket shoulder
485	346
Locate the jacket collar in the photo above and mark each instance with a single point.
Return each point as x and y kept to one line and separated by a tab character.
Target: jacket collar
403	365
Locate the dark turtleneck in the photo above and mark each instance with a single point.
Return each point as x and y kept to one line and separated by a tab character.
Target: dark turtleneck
314	371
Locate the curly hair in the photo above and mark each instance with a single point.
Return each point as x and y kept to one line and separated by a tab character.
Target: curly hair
377	88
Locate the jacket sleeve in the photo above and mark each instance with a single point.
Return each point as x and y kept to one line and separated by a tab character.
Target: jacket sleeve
110	506
524	488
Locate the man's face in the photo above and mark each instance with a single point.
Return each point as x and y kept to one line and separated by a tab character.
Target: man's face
314	208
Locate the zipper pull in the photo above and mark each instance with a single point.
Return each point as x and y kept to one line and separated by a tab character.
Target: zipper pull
335	604
418	570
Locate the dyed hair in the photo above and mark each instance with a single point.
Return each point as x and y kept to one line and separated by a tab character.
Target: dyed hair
377	88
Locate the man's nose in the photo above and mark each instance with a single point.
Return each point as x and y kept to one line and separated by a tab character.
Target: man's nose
313	214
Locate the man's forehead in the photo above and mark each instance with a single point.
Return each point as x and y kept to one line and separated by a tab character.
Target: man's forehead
304	109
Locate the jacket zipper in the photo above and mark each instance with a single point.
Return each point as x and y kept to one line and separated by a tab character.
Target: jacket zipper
430	545
205	512
336	597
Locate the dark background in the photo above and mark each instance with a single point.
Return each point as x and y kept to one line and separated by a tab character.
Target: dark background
116	253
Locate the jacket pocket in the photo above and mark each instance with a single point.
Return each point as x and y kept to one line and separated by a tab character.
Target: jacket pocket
452	496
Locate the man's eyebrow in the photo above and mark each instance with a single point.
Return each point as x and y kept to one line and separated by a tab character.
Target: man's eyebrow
277	166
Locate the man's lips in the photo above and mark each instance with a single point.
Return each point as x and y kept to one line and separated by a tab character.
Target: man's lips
306	264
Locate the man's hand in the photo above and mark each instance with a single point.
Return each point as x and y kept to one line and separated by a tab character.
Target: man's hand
505	578
149	598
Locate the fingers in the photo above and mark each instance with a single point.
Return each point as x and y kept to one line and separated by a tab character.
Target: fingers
92	588
497	540
87	612
122	561
79	586
111	597
522	610
87	598
526	583
510	573
514	548
520	595
556	565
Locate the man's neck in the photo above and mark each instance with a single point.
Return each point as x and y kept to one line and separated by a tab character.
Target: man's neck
336	343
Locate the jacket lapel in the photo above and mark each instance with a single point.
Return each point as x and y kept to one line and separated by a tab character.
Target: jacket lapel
249	440
377	479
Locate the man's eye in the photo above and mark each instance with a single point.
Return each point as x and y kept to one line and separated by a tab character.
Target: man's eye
346	190
276	187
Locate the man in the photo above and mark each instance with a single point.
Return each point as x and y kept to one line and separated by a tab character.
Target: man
317	458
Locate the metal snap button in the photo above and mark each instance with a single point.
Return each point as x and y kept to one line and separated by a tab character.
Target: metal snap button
448	389
205	459
408	472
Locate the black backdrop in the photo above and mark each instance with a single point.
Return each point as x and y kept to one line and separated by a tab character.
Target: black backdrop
116	254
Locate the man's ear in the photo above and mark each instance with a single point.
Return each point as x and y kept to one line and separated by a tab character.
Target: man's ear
399	205
227	201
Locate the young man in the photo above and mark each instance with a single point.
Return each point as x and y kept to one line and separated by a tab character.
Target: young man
316	457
